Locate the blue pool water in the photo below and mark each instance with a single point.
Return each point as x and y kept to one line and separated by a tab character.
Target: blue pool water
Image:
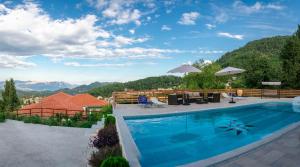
183	138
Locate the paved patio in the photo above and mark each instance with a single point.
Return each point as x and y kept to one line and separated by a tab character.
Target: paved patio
283	151
29	145
134	110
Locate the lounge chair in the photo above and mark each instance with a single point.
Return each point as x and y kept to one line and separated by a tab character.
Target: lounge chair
226	96
156	102
143	101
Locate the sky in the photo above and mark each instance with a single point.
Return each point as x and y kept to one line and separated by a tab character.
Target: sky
82	41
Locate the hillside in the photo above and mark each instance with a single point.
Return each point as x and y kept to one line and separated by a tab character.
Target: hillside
270	47
260	59
142	84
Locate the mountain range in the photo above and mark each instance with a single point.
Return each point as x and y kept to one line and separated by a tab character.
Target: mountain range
39	86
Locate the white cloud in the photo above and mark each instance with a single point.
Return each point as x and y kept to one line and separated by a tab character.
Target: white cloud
274	6
228	35
166	28
77	64
268	27
257	7
118	11
201	51
27	30
121	41
189	18
132	31
222	17
14	62
207	62
210	26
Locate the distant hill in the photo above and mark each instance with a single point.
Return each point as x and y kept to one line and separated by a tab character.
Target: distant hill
141	84
83	88
76	90
39	86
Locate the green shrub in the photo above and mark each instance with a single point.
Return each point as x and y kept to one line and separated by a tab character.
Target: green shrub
36	119
109	120
76	117
51	121
11	115
107	109
115	162
99	156
84	124
2	117
27	119
20	118
94	117
61	119
33	119
67	122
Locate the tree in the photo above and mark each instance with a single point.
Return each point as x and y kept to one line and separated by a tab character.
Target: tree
1	106
290	56
201	63
261	68
11	101
205	79
297	34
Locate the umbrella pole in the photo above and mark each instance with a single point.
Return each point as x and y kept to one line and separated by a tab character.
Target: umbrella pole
231	95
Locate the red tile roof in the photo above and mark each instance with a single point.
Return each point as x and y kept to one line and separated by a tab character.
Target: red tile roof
67	102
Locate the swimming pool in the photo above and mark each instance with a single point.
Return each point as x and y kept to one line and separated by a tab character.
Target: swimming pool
177	139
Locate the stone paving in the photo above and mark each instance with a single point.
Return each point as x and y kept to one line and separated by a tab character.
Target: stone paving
134	109
281	152
31	145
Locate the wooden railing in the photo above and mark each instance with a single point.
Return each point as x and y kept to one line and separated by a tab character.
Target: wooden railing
47	112
131	97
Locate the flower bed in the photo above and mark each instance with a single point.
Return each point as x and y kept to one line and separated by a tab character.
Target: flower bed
108	150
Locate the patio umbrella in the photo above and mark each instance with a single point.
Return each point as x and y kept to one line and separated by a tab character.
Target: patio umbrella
230	71
184	69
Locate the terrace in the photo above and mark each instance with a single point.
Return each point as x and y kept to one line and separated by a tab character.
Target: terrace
280	148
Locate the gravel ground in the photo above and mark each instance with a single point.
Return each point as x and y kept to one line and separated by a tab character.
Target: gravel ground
29	145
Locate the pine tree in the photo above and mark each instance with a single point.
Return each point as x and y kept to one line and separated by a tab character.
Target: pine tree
11	101
1	106
290	56
297	34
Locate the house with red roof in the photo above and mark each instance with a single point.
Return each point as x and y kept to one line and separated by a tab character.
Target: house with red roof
63	103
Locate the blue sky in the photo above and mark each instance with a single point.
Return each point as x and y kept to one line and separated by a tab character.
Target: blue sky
114	40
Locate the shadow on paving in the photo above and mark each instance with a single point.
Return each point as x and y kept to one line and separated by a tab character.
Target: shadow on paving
30	145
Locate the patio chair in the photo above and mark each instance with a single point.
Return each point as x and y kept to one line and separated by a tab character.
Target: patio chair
143	101
226	96
156	102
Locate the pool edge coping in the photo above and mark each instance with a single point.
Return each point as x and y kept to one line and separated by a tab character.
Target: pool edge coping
129	149
132	153
242	150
